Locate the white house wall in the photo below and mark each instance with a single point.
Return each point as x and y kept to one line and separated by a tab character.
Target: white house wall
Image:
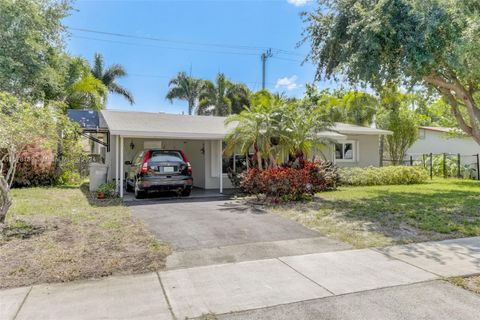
366	151
212	169
440	142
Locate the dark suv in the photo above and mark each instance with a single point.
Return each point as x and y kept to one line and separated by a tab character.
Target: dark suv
159	170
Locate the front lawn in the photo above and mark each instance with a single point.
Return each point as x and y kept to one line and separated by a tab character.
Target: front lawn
64	234
386	215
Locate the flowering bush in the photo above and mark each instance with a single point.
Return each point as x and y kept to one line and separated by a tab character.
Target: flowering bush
290	183
35	167
383	176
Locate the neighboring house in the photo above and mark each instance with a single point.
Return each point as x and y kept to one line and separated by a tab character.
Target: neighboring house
123	134
438	140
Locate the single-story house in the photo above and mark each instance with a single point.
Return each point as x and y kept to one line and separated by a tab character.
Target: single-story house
122	134
439	140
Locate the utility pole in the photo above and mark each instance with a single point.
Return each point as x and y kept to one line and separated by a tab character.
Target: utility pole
264	57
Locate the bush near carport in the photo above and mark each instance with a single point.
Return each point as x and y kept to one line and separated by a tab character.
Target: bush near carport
290	183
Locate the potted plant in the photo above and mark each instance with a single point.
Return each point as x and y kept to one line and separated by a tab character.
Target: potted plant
106	190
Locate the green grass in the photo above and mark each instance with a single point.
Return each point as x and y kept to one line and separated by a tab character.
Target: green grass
384	215
76	237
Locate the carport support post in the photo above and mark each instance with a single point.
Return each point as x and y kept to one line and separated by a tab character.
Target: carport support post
121	167
117	162
220	142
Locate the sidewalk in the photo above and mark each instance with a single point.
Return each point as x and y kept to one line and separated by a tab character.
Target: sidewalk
251	285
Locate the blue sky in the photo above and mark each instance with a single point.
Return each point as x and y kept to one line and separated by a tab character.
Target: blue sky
205	37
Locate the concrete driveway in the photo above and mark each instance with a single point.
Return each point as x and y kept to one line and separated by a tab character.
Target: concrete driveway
212	232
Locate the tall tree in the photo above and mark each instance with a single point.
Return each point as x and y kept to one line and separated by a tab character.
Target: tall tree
396	114
31	39
358	107
108	76
23	124
223	97
420	42
185	87
239	95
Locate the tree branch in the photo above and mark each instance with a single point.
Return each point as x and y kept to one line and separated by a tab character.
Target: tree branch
448	89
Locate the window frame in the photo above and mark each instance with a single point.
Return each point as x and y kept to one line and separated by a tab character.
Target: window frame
343	143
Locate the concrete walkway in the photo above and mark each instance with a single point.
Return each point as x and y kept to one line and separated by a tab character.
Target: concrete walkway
400	282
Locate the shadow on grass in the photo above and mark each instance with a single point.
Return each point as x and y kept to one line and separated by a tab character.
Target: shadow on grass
450	213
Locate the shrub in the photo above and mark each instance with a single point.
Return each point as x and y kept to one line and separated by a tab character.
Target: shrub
69	178
467	171
35	167
109	189
383	176
290	183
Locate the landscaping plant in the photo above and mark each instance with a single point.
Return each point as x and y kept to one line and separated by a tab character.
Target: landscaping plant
107	190
290	183
391	175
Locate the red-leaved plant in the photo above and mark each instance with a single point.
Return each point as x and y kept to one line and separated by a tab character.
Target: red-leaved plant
291	183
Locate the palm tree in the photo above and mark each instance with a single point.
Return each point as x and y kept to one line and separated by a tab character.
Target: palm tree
184	87
239	94
109	76
87	93
299	129
253	130
223	97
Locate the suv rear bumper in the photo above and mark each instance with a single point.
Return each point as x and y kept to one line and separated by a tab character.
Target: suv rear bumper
174	183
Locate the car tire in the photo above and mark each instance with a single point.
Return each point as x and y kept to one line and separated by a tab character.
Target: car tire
186	192
139	194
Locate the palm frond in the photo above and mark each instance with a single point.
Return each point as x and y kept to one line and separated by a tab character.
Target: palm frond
121	91
98	66
112	73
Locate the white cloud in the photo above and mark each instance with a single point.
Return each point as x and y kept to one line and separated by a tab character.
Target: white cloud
298	3
289	83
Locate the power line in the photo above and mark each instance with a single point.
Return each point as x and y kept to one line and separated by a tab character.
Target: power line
183	42
140	75
164	47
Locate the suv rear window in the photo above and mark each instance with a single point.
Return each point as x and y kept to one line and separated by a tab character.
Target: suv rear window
165	156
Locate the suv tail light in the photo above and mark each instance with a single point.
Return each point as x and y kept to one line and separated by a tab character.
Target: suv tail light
144	168
189	166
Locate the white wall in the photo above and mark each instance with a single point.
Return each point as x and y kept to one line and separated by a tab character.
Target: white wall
439	142
214	166
367	151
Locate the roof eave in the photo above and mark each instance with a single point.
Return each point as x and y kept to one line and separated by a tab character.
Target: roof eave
168	135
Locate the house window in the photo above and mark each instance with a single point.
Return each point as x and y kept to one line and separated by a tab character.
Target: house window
345	151
236	163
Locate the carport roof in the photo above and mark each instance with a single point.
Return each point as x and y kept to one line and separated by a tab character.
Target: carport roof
176	126
163	125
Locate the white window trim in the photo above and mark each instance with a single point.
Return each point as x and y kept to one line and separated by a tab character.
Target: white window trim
355	151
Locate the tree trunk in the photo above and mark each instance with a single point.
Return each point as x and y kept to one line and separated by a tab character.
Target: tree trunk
273	163
458	96
5	199
259	161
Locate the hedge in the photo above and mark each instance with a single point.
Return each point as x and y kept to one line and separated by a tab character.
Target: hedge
390	175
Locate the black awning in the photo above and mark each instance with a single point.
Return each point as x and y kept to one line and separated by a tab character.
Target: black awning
89	120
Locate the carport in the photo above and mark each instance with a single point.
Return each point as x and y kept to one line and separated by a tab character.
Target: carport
200	137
